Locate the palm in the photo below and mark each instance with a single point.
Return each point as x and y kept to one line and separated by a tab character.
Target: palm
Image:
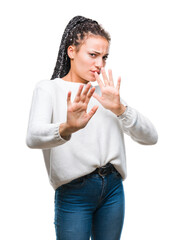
110	97
77	116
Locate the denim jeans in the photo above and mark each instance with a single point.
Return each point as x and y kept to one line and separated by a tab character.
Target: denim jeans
90	206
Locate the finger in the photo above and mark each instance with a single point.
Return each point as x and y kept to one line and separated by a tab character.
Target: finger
118	84
77	97
69	98
92	112
99	81
105	78
111	82
90	95
85	91
95	95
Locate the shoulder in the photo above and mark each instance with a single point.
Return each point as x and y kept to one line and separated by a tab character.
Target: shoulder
46	85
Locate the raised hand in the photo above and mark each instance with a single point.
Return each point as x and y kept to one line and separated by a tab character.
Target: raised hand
77	117
110	98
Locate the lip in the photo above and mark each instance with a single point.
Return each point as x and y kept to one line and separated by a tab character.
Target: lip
95	71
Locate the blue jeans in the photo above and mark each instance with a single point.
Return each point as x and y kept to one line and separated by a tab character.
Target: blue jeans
90	206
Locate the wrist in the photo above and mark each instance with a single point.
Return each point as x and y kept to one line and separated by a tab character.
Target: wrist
65	131
120	110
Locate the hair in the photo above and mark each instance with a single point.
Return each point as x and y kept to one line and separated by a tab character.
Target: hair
76	30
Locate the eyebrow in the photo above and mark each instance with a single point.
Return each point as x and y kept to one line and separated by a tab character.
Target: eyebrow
100	53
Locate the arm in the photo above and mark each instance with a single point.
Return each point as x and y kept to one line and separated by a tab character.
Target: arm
41	133
138	127
44	134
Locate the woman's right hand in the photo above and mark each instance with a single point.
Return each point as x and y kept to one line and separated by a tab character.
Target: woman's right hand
77	117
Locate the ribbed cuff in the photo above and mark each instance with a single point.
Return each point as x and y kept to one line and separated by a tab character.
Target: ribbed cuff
129	117
58	136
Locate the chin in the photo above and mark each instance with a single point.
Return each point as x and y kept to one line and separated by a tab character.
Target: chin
89	77
92	80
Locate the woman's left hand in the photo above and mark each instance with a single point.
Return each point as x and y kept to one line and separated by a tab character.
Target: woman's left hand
110	98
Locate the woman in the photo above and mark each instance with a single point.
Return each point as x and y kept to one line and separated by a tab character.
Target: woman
80	129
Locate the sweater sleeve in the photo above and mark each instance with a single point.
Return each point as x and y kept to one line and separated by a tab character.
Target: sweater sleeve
138	127
41	133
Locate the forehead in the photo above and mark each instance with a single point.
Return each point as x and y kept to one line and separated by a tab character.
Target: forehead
96	43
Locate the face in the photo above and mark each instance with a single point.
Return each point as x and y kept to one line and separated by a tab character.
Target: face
90	58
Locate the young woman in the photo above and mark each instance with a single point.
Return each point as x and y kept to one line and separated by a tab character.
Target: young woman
80	128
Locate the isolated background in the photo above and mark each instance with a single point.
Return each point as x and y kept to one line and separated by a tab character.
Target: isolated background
147	51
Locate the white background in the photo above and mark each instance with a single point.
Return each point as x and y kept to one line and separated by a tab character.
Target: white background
147	51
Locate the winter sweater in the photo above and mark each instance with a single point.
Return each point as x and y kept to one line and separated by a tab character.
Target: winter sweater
99	142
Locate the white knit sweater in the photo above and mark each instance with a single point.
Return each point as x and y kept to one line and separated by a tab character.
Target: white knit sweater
100	142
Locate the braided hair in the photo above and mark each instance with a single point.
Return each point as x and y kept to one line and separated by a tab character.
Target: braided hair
77	28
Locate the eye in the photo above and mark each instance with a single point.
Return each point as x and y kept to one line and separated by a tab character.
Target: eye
92	54
105	57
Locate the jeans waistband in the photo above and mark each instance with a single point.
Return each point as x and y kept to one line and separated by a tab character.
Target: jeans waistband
104	170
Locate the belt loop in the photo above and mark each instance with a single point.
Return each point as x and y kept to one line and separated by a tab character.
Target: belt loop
104	170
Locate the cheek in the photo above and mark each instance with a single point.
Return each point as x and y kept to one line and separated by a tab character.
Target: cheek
87	62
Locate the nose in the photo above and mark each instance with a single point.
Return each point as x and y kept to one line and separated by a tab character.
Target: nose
99	63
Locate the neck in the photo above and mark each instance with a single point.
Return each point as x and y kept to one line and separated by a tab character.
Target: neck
72	77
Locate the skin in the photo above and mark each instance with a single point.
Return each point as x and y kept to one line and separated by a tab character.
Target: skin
87	63
90	57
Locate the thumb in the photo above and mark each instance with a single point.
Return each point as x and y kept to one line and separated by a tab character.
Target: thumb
92	112
96	96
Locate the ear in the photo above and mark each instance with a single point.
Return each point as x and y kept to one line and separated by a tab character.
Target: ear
71	51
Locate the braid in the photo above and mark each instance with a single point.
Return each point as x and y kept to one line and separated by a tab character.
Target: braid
74	32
